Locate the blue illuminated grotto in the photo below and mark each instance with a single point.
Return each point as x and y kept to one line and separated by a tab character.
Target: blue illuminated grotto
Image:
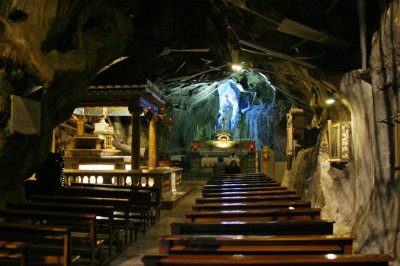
245	105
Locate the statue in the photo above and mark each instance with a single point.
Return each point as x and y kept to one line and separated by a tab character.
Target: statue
228	108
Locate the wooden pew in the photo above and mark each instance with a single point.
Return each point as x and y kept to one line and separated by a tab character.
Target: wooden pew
240	179
251	206
13	253
291	227
205	240
140	201
239	189
240	185
104	217
82	228
254	215
48	245
262	245
240	199
236	182
249	193
240	175
120	204
270	260
154	191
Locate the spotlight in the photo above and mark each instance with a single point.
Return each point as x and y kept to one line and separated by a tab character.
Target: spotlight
330	101
237	67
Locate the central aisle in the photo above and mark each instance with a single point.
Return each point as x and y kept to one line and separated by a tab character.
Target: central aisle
148	244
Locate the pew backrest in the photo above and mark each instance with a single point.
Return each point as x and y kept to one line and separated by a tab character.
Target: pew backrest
121	205
219	244
77	223
104	214
38	237
290	227
13	253
155	192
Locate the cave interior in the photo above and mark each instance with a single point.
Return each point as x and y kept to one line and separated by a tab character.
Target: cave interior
295	55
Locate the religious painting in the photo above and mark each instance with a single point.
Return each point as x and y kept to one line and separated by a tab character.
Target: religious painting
397	144
339	141
334	132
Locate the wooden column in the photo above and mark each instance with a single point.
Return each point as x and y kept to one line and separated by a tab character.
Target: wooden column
80	126
153	143
135	111
53	142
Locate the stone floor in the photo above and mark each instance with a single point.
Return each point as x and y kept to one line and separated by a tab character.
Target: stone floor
147	244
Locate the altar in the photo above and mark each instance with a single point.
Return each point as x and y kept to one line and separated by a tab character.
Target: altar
205	154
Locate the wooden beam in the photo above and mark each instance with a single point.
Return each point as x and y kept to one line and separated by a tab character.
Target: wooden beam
277	54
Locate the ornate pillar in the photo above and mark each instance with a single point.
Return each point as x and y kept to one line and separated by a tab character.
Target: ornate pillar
135	110
80	125
153	143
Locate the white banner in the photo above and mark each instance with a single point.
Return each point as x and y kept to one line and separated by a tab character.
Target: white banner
25	115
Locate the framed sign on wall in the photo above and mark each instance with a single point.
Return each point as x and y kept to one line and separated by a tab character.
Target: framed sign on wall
339	141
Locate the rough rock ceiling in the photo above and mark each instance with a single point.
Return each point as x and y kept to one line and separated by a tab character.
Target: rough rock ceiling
177	40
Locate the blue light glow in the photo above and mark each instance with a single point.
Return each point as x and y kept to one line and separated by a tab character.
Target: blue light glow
228	107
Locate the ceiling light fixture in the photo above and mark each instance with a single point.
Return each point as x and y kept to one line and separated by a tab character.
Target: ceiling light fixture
237	67
330	101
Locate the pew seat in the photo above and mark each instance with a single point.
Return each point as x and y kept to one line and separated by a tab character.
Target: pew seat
155	194
248	193
122	204
271	260
240	179
250	206
104	217
237	182
240	185
48	245
13	253
240	175
140	207
241	189
82	228
254	215
244	199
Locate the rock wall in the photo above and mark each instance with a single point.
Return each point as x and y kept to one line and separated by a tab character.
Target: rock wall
362	196
377	181
59	45
261	116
